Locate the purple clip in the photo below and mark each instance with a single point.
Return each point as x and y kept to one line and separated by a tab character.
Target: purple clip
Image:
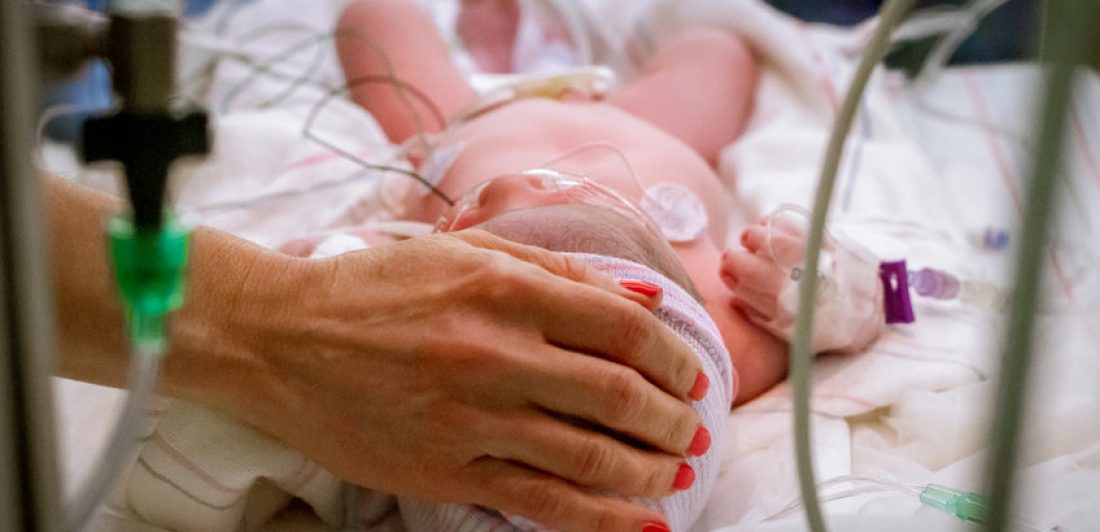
895	292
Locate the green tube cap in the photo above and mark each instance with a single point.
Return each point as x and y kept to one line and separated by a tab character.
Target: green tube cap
962	504
149	270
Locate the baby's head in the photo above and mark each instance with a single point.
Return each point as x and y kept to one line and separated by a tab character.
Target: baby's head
566	214
581	228
607	233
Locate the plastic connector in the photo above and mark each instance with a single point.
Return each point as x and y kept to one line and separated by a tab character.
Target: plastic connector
962	504
149	268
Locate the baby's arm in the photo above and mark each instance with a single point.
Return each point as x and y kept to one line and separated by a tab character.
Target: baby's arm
848	312
395	37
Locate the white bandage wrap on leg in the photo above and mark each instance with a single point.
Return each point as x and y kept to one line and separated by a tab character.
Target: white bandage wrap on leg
687	318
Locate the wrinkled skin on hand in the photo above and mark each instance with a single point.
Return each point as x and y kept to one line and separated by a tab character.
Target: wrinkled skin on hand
446	368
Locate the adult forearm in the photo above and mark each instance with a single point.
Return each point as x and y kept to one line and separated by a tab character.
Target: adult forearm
429	368
91	334
202	363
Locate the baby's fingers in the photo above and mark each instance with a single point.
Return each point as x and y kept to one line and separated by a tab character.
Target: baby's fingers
744	270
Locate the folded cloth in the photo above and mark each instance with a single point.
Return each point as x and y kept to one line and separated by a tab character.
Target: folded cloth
202	470
684	316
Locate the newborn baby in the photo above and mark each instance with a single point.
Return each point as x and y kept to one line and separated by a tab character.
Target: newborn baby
627	180
653	141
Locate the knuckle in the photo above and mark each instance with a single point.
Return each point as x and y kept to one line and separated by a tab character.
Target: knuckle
544	505
635	331
654	482
627	402
571	268
594	460
498	280
643	475
606	520
681	429
683	368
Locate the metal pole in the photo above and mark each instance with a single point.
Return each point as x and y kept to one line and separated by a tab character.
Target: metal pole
28	492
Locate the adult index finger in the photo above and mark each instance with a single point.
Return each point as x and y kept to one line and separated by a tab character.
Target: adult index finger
581	318
579	308
560	265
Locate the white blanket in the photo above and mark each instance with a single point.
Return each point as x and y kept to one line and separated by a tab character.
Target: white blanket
924	175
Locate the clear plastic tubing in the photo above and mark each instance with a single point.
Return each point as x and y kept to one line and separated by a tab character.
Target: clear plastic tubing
120	450
938	284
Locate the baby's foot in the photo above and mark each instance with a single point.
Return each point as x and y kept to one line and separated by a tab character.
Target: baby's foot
763	279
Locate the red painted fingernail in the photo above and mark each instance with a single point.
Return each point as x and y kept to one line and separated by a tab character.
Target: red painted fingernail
700	443
685	477
699	389
656	527
641	287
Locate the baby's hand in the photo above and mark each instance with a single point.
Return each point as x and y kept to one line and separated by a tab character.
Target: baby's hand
757	280
763	280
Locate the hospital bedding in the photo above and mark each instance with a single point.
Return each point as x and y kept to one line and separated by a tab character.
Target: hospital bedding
927	171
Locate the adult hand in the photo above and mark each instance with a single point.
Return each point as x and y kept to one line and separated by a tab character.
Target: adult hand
443	368
438	368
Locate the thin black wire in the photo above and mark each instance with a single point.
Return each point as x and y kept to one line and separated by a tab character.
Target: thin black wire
351	85
391	74
260	68
267	66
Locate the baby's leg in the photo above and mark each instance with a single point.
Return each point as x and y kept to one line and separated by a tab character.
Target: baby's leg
488	31
699	88
384	37
848	311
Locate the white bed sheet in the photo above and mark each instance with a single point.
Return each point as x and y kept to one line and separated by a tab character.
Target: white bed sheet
924	173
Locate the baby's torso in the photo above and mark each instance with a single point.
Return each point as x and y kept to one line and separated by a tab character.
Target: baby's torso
593	140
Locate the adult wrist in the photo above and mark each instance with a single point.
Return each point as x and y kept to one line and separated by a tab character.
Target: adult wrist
241	299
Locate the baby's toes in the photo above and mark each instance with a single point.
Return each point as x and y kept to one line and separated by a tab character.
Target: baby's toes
755	272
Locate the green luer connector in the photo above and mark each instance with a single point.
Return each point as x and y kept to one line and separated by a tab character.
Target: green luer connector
149	270
962	504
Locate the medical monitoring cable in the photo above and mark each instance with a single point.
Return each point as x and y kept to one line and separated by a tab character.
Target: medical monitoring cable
801	353
1074	22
